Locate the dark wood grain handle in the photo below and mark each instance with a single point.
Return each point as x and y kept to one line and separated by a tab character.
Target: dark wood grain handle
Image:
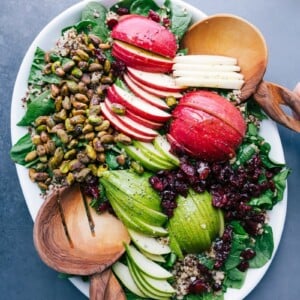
98	285
272	97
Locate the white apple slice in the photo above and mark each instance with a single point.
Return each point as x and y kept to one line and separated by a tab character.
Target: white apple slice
154	100
122	272
121	127
131	124
156	92
164	147
205	59
148	244
145	265
232	84
137	105
159	81
206	67
143	121
208	74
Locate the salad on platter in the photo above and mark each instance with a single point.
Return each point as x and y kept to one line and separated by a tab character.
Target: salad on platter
160	139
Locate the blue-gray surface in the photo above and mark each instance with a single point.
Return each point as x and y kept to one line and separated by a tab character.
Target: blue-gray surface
22	275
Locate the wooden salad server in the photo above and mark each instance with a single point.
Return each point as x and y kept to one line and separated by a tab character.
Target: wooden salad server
72	238
229	35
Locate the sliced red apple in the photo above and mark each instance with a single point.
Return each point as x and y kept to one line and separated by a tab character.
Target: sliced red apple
131	124
117	124
154	100
137	105
155	92
144	33
159	81
141	59
143	121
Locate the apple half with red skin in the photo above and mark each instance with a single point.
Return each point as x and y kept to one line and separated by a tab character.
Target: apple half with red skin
141	59
144	33
207	126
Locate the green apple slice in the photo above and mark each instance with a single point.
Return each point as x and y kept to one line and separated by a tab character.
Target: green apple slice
123	273
161	286
222	222
141	284
150	151
154	257
146	265
136	209
148	244
163	146
145	161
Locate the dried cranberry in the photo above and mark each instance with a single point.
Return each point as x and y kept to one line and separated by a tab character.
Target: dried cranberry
118	68
100	56
243	266
248	254
121	11
216	286
154	16
103	207
111	23
156	183
166	22
198	286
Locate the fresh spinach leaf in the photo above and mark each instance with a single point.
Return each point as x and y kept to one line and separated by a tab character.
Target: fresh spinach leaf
265	200
85	26
142	7
180	19
21	148
96	12
235	278
121	4
206	261
111	160
280	184
36	75
252	108
206	296
42	105
263	247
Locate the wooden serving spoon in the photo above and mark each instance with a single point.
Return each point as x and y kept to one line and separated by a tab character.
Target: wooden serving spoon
72	238
229	35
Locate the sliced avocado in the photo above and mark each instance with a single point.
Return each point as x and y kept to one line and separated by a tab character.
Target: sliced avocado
135	209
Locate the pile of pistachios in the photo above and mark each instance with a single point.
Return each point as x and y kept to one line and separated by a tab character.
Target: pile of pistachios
71	143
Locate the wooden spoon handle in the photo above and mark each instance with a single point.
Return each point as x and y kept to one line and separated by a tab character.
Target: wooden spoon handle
98	284
271	96
114	290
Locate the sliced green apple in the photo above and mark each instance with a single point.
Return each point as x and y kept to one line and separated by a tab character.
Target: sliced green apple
145	265
145	161
141	284
154	257
153	154
175	247
148	244
163	146
123	273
